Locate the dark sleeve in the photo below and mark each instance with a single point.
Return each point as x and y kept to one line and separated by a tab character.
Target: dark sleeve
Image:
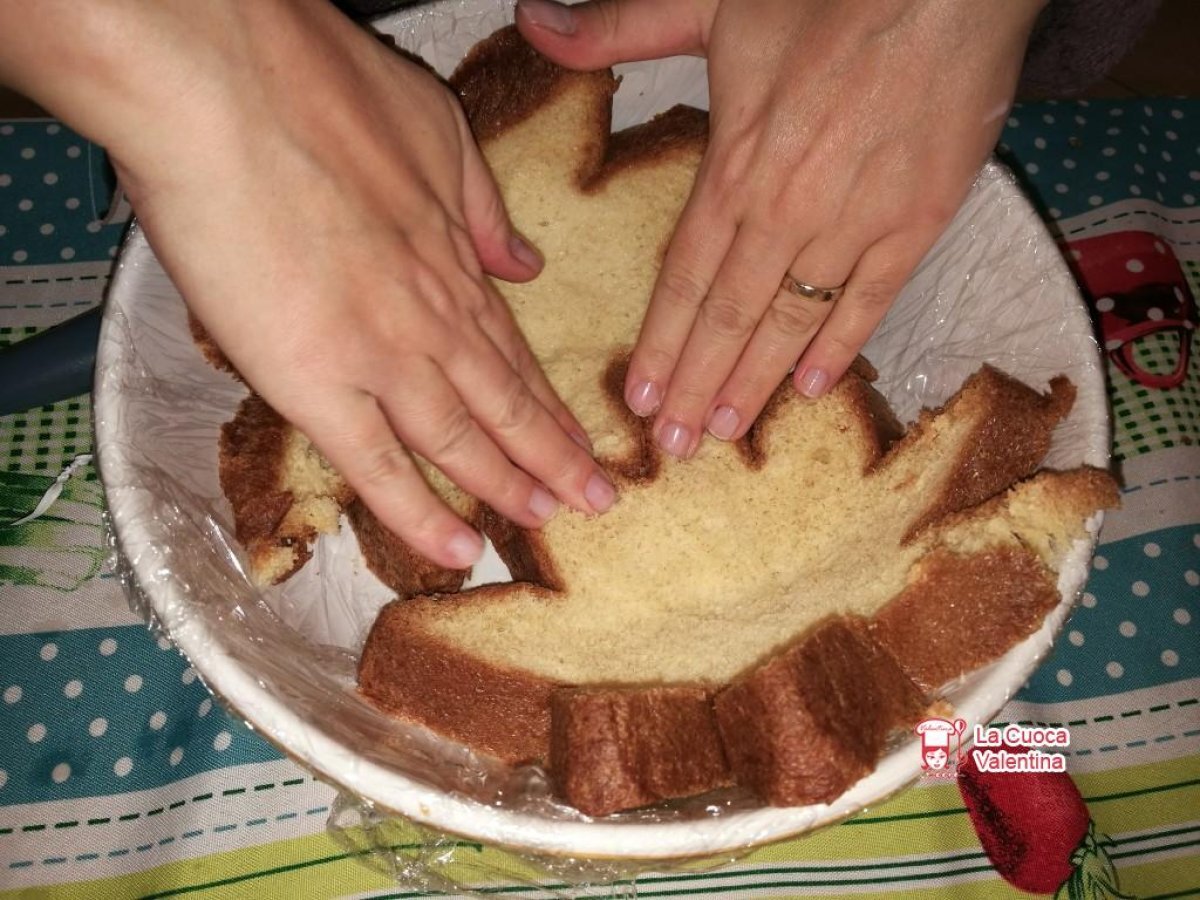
365	9
1076	42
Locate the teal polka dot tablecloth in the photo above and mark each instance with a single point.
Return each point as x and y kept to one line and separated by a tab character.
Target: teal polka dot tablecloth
54	195
109	710
121	777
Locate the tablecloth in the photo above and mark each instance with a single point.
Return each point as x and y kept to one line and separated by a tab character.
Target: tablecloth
121	777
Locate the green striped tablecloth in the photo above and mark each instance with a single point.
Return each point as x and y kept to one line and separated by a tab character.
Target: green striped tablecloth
119	776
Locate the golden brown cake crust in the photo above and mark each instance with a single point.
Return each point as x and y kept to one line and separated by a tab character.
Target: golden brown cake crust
1085	488
959	614
807	724
522	551
615	749
1006	449
643	462
875	419
251	457
282	492
503	81
512	724
679	130
395	563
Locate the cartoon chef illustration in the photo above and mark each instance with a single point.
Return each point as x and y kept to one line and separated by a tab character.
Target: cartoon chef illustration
935	742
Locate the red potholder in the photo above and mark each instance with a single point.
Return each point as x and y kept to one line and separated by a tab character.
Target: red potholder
1137	287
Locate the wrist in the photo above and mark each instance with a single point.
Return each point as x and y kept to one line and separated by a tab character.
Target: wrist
87	63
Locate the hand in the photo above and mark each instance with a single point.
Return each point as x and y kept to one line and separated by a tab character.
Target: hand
320	203
844	136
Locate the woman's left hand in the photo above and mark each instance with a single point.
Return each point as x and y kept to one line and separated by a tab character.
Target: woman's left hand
844	136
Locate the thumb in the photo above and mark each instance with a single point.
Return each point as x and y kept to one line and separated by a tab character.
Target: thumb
501	251
603	32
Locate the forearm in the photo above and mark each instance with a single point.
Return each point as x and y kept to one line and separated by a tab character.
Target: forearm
131	74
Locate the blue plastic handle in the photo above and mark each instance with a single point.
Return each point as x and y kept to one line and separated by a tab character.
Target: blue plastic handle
54	365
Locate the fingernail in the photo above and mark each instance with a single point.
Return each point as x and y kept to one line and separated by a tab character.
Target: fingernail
542	503
724	422
813	382
676	439
524	252
465	548
549	15
599	493
644	399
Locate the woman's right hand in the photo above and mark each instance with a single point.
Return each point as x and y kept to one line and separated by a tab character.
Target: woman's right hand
321	205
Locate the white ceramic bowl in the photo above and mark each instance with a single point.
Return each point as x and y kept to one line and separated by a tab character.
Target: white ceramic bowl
994	290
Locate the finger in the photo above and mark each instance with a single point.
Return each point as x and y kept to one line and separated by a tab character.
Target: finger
593	35
741	293
512	415
701	240
787	327
435	424
358	441
501	251
873	287
496	319
497	322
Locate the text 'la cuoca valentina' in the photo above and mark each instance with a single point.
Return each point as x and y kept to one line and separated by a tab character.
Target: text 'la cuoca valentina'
991	755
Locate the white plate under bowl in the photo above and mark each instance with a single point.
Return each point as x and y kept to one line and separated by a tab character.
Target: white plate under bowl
994	290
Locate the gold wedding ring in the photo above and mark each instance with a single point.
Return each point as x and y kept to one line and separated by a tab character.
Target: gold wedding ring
811	291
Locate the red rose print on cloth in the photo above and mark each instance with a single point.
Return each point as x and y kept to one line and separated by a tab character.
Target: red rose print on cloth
1038	833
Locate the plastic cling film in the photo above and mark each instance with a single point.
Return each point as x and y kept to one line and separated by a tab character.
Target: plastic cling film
423	859
994	289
